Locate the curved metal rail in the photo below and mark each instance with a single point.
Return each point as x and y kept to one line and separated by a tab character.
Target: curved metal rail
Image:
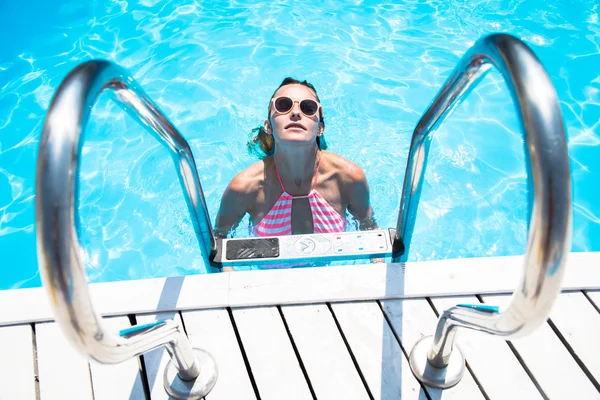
58	247
549	184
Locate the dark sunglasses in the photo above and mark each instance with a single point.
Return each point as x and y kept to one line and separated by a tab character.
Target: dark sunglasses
284	105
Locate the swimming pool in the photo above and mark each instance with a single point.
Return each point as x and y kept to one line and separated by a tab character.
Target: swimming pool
212	66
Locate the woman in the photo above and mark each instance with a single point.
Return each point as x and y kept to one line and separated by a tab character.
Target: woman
298	187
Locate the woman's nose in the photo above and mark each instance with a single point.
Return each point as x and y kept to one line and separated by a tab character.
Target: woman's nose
296	109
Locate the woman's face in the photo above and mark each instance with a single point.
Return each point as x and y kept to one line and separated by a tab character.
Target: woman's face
294	126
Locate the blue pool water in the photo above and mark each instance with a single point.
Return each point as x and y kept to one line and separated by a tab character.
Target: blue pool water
212	65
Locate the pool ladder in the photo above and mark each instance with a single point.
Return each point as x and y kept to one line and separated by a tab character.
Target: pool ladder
435	360
192	373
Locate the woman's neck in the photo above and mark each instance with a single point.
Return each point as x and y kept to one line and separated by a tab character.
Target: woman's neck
296	163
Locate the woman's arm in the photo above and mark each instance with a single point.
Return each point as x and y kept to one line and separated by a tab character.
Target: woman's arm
233	206
360	205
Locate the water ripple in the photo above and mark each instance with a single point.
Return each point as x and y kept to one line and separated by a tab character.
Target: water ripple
211	66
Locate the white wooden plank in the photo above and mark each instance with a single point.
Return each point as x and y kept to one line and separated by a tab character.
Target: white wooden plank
274	365
377	351
392	281
301	286
17	372
124	297
117	381
325	357
63	372
156	360
541	349
579	323
211	330
493	363
413	319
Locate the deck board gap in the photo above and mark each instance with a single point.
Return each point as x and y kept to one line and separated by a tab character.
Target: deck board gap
354	361
387	320
36	374
430	302
184	331
141	363
132	319
404	352
587	296
520	359
479	385
91	380
182	322
244	355
573	354
527	370
437	314
144	376
297	353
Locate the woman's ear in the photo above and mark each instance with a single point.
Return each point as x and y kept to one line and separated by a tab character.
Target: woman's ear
321	129
267	126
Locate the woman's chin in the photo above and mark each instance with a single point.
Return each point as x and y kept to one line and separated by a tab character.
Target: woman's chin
296	137
297	142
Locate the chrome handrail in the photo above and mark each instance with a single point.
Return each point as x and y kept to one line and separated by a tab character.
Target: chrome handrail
58	247
549	201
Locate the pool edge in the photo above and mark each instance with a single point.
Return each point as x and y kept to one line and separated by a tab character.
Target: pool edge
488	275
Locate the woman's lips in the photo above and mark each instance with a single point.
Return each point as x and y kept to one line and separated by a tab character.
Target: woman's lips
298	126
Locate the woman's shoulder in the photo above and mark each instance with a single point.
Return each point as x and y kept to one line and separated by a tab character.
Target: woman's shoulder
347	170
249	180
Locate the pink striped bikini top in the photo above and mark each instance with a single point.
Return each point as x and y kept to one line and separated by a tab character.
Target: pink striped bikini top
278	221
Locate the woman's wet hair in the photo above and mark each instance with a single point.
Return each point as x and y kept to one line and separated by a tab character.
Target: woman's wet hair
262	144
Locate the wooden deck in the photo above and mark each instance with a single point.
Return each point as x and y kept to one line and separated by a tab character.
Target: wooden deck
326	348
352	350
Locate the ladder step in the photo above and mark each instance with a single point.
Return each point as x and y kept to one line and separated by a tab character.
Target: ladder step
319	247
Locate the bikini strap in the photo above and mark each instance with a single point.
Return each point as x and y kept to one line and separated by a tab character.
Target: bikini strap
278	177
